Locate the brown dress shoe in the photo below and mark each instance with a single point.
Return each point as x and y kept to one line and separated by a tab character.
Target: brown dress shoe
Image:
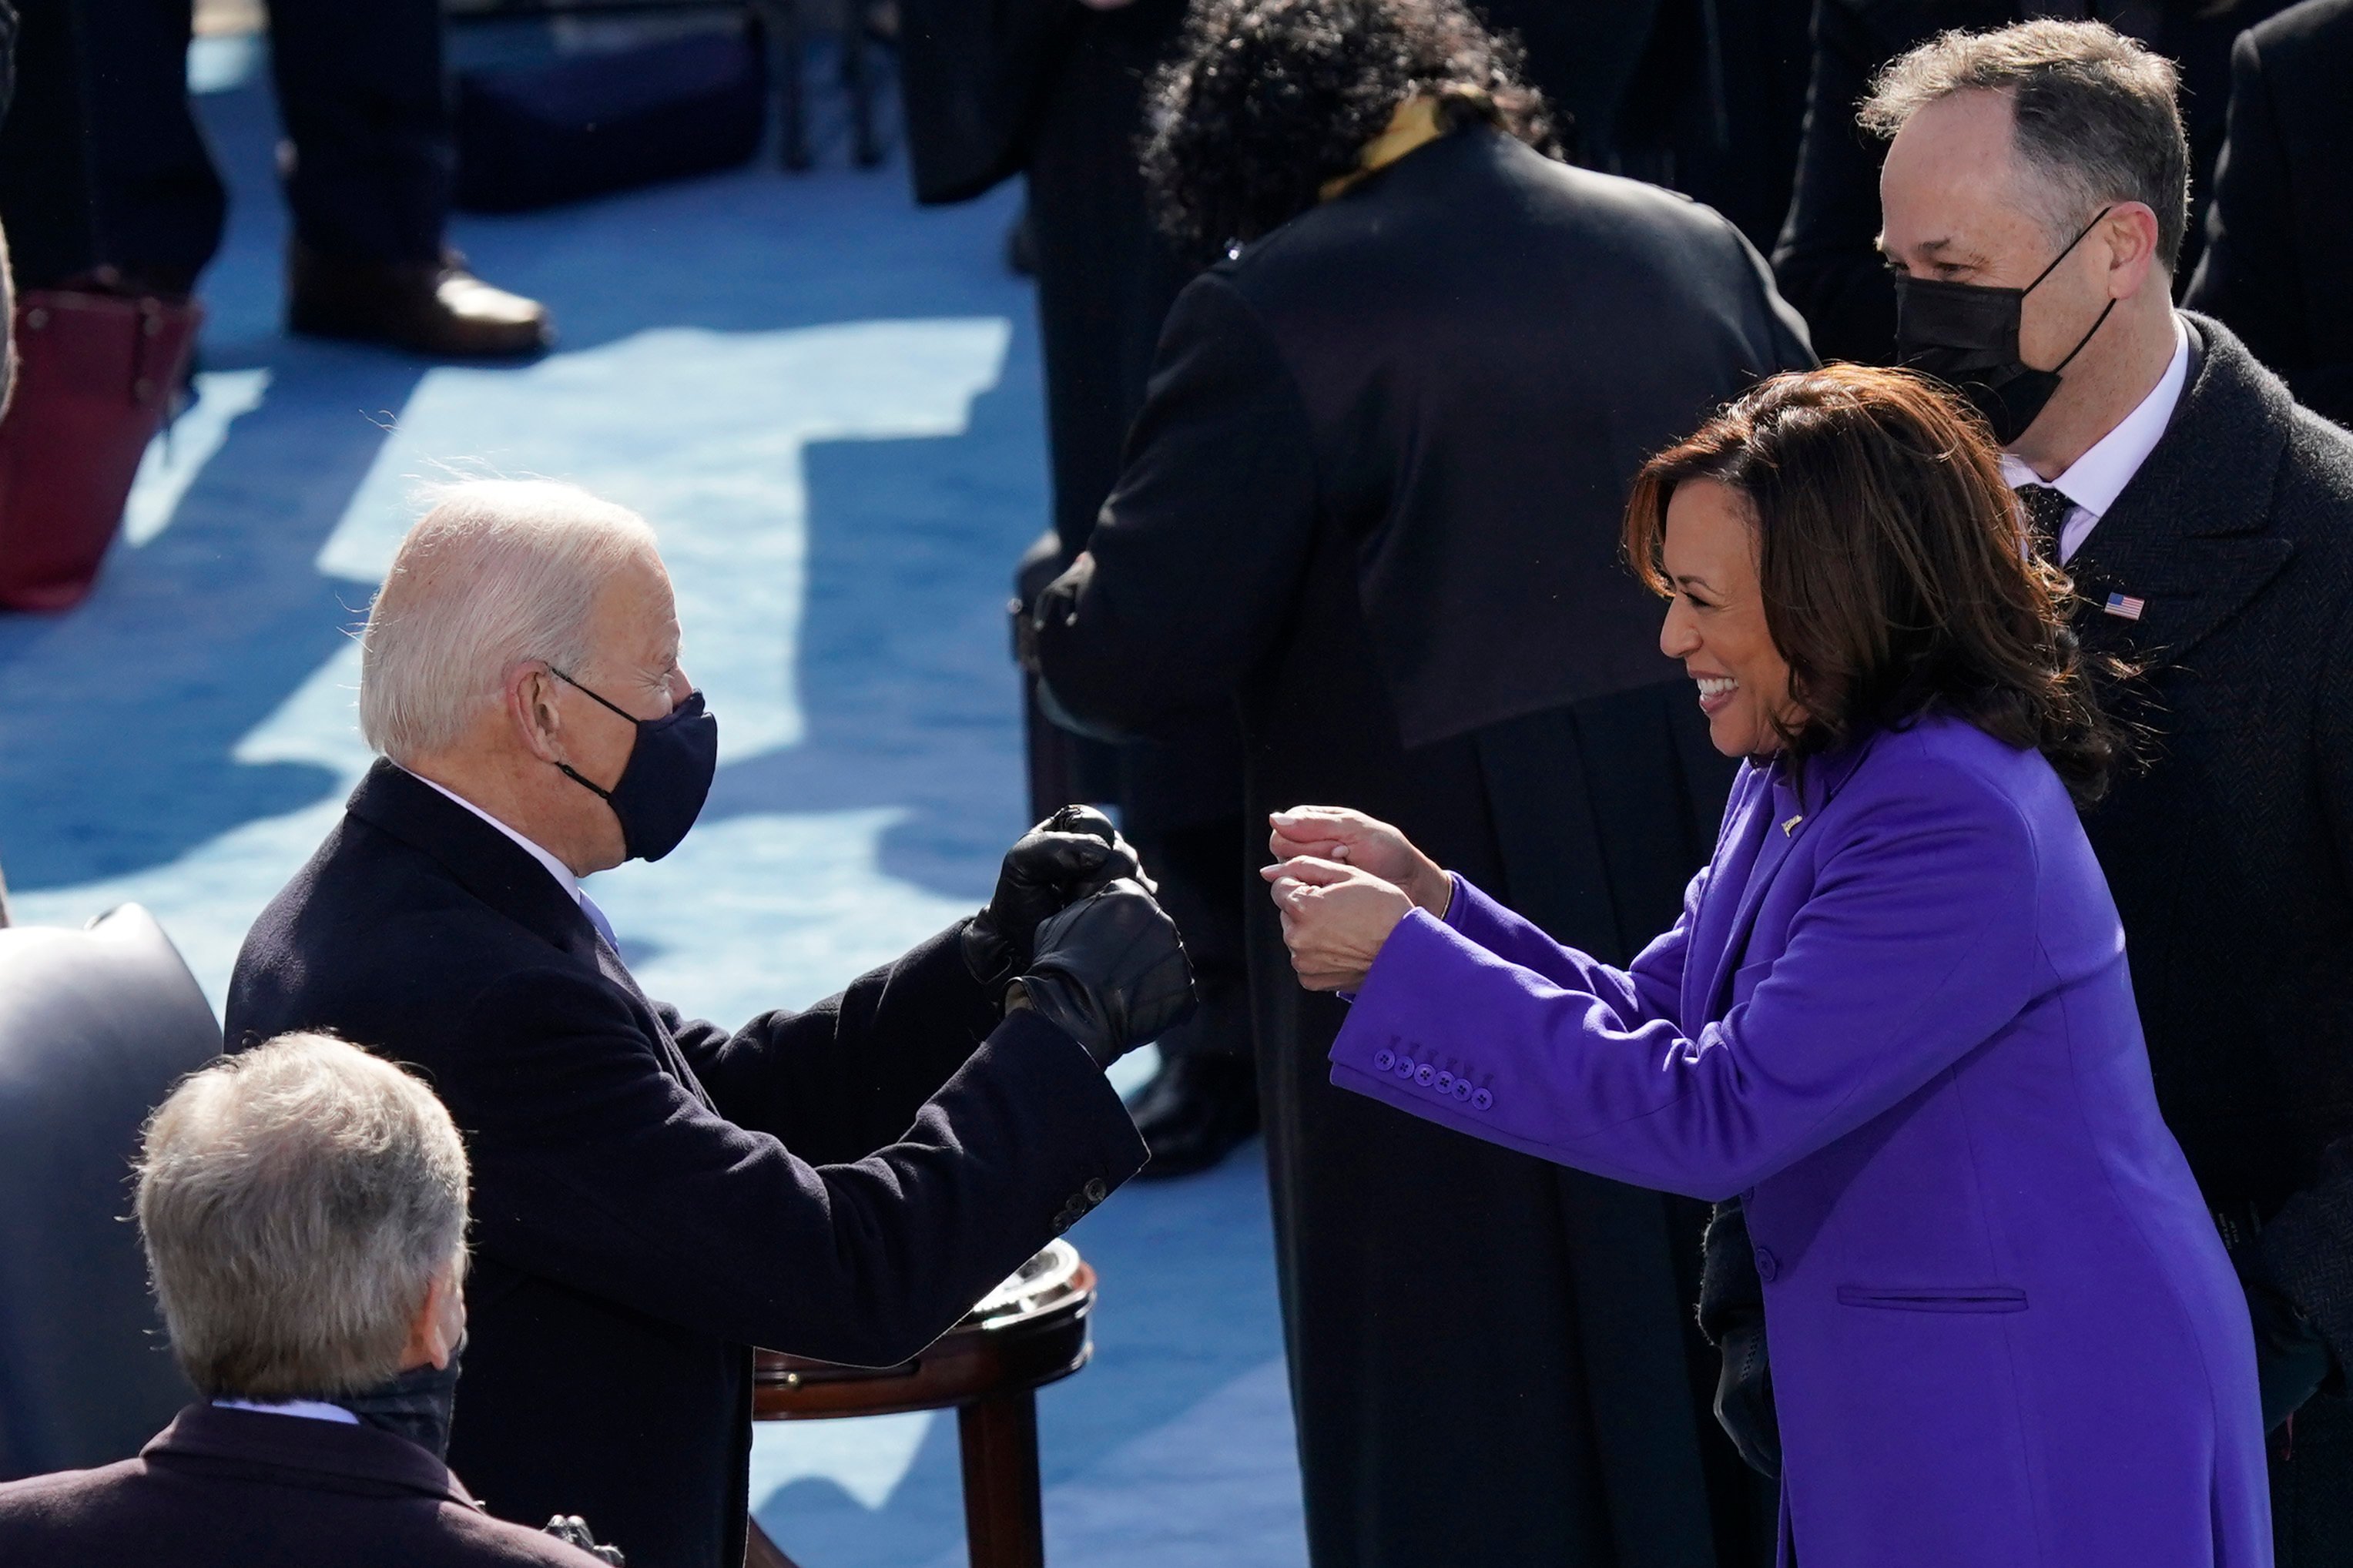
427	308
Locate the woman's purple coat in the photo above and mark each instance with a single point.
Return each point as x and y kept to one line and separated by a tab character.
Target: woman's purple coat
1896	1021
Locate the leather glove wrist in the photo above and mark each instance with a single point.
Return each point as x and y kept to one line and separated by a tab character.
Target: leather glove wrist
1110	972
1744	1393
1072	854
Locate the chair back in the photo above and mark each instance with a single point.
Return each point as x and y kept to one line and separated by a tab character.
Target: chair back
96	1025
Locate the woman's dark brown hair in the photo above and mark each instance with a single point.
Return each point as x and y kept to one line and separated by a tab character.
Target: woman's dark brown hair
1891	559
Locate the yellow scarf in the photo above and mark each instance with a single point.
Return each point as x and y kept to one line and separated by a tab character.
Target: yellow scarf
1414	124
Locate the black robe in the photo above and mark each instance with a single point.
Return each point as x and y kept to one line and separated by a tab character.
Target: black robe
1374	496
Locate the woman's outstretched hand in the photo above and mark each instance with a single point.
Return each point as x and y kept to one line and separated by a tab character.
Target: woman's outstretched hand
1347	838
1335	918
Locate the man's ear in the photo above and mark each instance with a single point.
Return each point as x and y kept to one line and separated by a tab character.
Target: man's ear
530	700
2131	230
440	1320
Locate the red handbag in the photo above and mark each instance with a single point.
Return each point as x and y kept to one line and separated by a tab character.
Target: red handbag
96	374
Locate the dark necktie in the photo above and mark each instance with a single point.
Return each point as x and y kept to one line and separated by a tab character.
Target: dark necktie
2046	513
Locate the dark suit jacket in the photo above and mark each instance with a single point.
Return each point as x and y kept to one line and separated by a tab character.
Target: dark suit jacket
2278	267
1825	259
653	1194
240	1488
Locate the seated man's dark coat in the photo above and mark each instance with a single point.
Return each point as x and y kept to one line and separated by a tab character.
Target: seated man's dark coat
1375	497
2278	267
242	1489
653	1196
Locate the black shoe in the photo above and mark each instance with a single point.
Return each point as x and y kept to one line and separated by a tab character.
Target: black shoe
1196	1109
427	308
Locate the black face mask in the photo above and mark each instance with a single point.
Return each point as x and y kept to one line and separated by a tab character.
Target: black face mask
1966	335
661	788
417	1404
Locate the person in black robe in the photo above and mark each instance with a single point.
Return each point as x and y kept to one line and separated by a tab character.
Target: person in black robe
2279	227
1826	261
1373	499
1702	95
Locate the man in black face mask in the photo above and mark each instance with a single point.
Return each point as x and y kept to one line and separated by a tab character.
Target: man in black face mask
654	1195
2033	201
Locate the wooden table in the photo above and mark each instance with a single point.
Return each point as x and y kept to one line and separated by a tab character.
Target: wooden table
1030	1331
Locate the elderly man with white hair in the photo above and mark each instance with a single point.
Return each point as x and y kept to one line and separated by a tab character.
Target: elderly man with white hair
303	1210
653	1194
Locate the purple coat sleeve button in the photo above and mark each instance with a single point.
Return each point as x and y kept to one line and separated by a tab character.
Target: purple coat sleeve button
1463	1089
1404	1068
1383	1060
1769	1267
1480	1100
1445	1084
1423	1074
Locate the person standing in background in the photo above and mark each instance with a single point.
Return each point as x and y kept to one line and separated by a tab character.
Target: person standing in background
2279	229
1825	261
2034	202
1053	88
107	184
1372	499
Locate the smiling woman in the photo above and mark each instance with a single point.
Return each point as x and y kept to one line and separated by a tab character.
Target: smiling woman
1841	554
1894	1018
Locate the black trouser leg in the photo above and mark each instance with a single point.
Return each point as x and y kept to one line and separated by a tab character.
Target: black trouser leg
102	164
366	109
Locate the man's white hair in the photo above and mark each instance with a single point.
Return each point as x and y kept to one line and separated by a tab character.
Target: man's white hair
498	573
296	1202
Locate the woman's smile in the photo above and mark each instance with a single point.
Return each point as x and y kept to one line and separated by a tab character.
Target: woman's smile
1715	693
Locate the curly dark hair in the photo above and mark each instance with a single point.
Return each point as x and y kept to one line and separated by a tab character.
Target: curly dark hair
1891	559
1265	100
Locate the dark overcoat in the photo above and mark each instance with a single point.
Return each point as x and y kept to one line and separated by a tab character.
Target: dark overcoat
245	1488
654	1195
2278	267
1374	496
2231	857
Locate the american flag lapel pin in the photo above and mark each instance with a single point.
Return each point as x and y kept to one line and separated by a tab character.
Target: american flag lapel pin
2125	607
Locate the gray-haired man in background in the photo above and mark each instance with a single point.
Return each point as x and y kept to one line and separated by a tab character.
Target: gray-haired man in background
303	1209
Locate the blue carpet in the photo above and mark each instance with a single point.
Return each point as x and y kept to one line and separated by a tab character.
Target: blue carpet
828	403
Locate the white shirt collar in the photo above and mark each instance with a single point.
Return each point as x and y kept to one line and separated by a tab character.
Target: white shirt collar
308	1409
2094	480
556	869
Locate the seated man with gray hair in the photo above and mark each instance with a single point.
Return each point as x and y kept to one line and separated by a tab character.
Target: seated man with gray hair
655	1195
303	1209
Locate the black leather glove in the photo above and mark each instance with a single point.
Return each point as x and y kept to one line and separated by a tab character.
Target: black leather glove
1063	859
1743	1393
1110	972
2291	1360
573	1530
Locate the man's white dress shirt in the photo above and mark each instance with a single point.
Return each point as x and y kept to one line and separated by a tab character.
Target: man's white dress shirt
310	1409
2094	480
556	869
